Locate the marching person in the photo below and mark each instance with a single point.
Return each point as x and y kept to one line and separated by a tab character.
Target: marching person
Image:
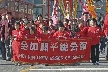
95	33
86	18
45	34
26	27
39	20
61	33
106	33
16	37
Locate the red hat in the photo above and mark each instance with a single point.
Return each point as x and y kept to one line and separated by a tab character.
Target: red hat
10	13
3	14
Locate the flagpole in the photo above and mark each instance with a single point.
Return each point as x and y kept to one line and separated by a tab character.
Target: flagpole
48	9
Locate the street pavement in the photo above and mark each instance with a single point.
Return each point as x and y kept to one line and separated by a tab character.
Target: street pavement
8	66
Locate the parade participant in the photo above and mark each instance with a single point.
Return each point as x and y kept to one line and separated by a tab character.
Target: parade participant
21	24
61	33
66	21
51	24
39	29
86	18
32	33
25	18
81	24
16	37
39	20
26	27
95	33
45	34
2	35
77	32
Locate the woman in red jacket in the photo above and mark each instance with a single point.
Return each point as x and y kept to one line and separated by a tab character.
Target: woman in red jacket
94	32
17	37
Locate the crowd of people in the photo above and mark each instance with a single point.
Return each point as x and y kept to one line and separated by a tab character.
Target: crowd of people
12	29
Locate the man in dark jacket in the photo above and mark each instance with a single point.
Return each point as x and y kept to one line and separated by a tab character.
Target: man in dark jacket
8	32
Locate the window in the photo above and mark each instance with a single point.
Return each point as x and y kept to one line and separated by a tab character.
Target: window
12	5
30	9
16	6
38	10
38	1
22	7
26	8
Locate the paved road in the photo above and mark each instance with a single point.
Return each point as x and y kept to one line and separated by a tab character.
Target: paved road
8	66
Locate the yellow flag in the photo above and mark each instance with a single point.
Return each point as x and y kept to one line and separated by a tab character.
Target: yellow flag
0	1
62	7
75	8
106	6
91	8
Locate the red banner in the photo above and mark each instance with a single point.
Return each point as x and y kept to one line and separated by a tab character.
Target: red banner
54	51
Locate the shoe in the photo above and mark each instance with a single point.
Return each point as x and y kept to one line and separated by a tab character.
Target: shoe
46	64
8	59
32	64
19	64
94	63
97	63
16	64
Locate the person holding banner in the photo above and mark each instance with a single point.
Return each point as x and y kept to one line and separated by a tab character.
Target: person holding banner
39	20
39	29
86	18
94	32
61	33
25	29
45	34
16	37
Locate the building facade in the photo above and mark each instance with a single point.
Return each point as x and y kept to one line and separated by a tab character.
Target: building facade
19	8
41	7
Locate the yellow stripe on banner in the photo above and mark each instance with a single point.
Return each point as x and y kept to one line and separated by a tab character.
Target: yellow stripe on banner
75	8
62	7
106	6
91	8
28	69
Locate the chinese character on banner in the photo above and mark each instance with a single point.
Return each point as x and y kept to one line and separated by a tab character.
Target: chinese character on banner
74	46
83	45
44	47
64	47
33	46
24	45
54	45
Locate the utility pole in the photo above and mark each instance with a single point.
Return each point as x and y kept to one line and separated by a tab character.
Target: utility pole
48	9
